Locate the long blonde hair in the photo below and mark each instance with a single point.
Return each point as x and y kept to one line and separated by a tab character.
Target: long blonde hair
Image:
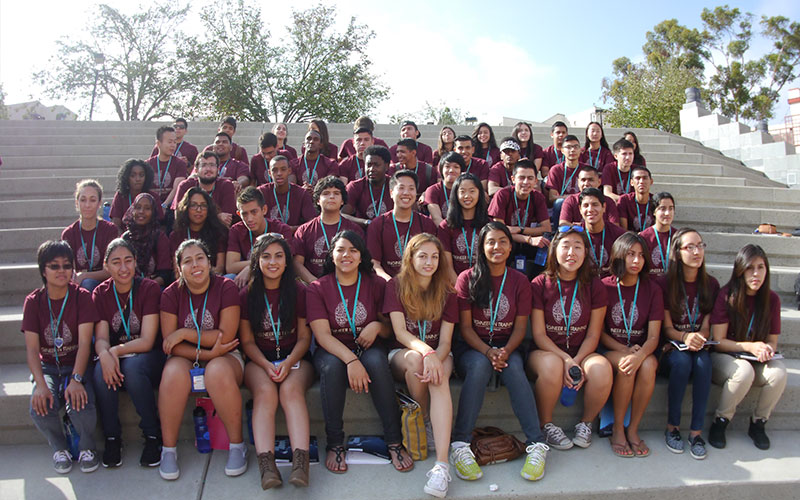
422	304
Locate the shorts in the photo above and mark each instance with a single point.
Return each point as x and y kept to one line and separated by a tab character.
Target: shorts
394	352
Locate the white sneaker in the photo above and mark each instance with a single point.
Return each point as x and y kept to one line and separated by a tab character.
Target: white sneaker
556	438
438	477
583	434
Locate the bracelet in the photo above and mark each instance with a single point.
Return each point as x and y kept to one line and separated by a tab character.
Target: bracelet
352	360
427	353
487	351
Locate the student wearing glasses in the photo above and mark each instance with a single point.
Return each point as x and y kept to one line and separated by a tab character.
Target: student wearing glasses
562	179
196	218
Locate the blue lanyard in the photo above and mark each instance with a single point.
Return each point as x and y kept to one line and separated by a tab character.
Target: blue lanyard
325	234
599	260
692	314
446	199
522	222
749	327
266	225
565	183
83	244
596	162
488	154
276	329
284	217
628	328
402	244
359	168
194	316
160	177
639	213
625	185
469	166
558	158
126	325
567	319
422	327
377	207
224	168
493	312
178	149
58	342
313	172
469	244
351	318
661	251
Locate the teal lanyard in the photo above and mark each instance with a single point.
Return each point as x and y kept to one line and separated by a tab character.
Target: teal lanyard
196	324
402	244
558	158
446	199
126	325
276	329
469	244
489	155
567	319
266	225
325	233
693	314
596	162
469	166
178	149
188	234
639	214
565	183
358	164
83	244
58	342
524	221
376	208
351	318
664	259
493	312
160	177
283	215
422	328
313	172
628	327
625	185
749	327
224	168
599	259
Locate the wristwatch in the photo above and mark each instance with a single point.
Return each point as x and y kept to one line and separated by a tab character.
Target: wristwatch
77	378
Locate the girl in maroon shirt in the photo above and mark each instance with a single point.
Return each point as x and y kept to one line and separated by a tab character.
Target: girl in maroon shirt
196	218
631	334
275	338
447	137
437	196
569	304
523	134
638	159
485	144
466	216
149	242
280	131
658	236
596	151
134	177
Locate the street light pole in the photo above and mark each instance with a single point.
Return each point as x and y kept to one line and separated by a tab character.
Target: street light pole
99	59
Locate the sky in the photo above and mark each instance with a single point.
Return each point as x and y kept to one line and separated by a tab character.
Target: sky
522	59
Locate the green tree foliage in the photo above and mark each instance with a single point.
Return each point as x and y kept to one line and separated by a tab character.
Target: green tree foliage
312	71
131	57
3	110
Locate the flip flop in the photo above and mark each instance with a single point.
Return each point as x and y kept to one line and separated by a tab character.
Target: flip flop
621	450
340	452
397	450
640	449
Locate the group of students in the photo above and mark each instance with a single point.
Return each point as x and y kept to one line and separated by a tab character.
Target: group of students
364	290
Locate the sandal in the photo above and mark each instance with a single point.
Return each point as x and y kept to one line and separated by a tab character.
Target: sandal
341	464
396	451
621	450
640	449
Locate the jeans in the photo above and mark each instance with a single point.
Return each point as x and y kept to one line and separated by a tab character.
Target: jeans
142	374
681	365
333	384
51	424
476	370
89	284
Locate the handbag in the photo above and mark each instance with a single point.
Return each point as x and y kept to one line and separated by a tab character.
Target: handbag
412	426
491	445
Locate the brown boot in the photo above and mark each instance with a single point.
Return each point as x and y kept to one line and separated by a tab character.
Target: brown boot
270	477
299	476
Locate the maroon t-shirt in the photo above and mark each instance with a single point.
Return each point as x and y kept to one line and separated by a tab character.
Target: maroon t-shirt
636	213
619	181
491	157
349	149
597	159
223	194
222	293
83	249
312	241
330	152
237	152
161	260
530	212
719	315
571	210
166	173
438	195
241	239
457	241
324	302
383	241
426	175
649	306
600	247
36	316
552	157
303	169
659	254
185	150
683	323
120	204
364	205
289	152
479	168
177	237
546	298
499	174
146	300
514	300
536	151
287	333
232	169
564	185
301	206
391	303
258	170
424	153
353	168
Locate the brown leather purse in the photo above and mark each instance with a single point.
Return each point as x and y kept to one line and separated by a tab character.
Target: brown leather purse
491	445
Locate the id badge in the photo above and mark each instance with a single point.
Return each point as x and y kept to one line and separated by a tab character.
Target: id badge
541	257
294	366
198	379
519	263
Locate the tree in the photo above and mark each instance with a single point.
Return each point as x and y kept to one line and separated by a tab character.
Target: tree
442	114
129	59
314	71
648	95
3	110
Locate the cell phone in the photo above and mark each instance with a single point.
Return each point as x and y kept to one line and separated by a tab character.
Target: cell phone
294	366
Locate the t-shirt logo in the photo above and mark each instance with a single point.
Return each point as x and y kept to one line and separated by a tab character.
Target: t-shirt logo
502	309
616	314
655	256
167	183
558	316
207	324
341	315
461	244
66	335
371	210
135	325
320	246
275	213
83	261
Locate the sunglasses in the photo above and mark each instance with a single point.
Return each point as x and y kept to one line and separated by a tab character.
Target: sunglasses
564	229
59	267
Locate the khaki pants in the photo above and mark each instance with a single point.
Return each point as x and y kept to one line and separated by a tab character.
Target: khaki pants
736	376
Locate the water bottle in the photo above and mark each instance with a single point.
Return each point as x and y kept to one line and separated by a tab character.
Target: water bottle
107	211
569	394
73	439
202	438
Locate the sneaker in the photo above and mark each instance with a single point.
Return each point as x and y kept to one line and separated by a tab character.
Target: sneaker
466	466
88	461
583	435
112	454
674	440
429	436
697	448
758	434
533	469
168	468
62	462
438	477
270	476
556	438
716	435
299	475
237	461
151	455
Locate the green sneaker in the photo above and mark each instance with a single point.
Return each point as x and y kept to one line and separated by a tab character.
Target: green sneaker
464	461
533	470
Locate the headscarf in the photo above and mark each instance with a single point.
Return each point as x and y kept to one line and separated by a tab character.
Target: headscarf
142	238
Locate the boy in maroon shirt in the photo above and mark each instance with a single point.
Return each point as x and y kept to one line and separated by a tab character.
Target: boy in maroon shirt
259	170
348	147
368	197
409	130
353	167
169	169
635	209
588	177
389	233
553	154
407	159
500	173
521	207
602	235
287	201
464	146
562	178
230	168
617	175
437	197
221	190
184	150
228	125
313	165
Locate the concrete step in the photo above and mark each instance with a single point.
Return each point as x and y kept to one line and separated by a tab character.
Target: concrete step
722	247
23	214
19	245
702	179
35	188
750	196
732	218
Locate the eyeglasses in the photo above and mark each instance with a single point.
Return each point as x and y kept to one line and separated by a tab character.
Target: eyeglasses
564	229
207	164
571	146
694	248
200	207
59	267
179	126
